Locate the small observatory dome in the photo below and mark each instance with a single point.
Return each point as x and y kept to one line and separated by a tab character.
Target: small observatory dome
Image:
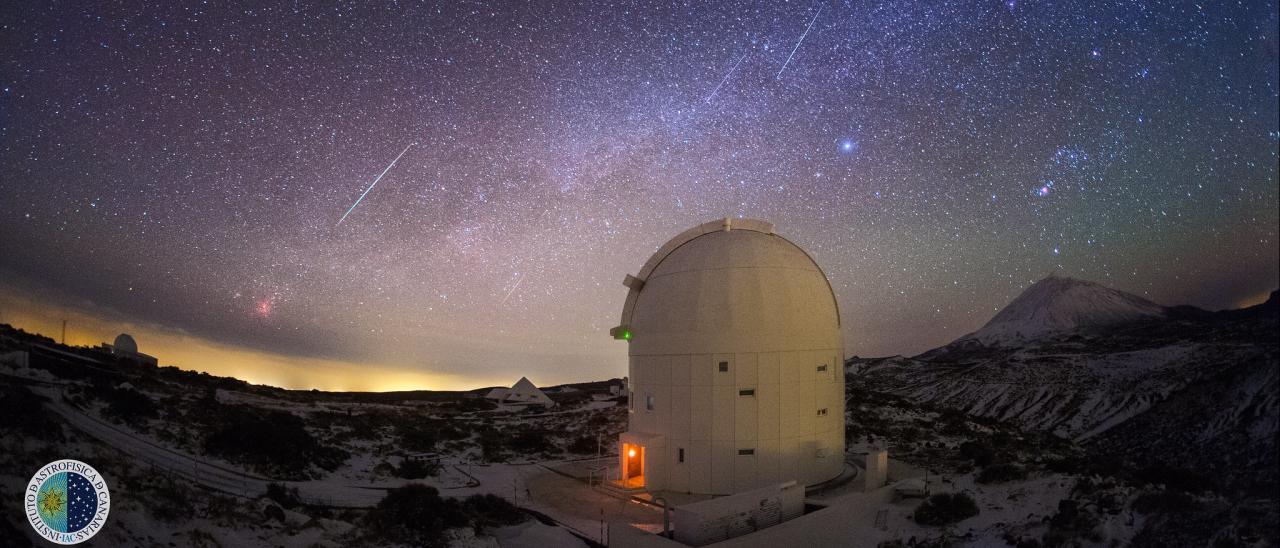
736	364
125	343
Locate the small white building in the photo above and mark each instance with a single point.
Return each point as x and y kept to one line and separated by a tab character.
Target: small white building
522	392
126	347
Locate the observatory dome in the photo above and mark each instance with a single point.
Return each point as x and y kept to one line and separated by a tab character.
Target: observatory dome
125	343
744	289
736	377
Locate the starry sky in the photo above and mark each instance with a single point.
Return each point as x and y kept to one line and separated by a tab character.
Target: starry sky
182	168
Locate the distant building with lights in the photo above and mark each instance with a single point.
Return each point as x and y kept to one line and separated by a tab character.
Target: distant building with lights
736	377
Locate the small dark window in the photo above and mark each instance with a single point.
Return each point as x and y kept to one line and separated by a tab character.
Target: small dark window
747	392
822	412
746	451
822	367
724	367
680	456
648	402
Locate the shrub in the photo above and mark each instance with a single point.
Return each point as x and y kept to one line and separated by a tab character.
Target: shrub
417	469
475	404
283	495
531	442
1070	524
415	514
128	405
416	436
1065	465
584	445
273	441
1000	473
18	413
1181	479
169	501
423	435
384	468
945	508
1164	502
980	454
599	420
492	444
490	510
954	423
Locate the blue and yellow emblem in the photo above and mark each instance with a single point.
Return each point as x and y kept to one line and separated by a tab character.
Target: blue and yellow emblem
67	502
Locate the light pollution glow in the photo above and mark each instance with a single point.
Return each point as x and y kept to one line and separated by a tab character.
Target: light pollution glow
183	350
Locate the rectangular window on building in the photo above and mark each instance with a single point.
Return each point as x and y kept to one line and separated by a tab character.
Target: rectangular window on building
680	455
631	399
822	412
648	402
724	367
822	368
747	392
746	451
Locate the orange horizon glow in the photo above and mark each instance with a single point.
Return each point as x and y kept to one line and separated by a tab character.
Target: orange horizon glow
1253	300
190	352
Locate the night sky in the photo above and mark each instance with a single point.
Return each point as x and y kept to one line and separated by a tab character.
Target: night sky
185	167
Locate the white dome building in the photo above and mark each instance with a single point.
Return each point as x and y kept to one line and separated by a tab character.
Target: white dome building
125	343
736	365
126	347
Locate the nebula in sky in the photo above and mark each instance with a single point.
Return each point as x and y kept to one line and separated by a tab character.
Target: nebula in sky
187	167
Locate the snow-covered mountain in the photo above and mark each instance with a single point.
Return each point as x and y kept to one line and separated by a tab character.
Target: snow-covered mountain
1208	380
1058	304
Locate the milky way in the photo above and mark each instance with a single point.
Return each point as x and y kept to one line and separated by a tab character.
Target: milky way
188	166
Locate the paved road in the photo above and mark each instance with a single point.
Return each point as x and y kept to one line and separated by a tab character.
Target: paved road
217	476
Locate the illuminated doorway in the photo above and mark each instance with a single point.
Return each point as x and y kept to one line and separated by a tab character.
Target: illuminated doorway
632	465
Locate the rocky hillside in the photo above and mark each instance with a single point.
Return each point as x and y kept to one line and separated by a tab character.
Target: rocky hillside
1177	387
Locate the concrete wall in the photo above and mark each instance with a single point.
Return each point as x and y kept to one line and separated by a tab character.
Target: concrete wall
625	535
702	410
722	518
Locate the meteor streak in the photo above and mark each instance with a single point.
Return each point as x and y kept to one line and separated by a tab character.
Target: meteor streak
801	41
375	182
727	75
513	290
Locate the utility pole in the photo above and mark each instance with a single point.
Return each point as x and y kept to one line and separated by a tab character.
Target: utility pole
64	332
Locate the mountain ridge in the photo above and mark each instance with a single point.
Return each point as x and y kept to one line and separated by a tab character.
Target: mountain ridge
1058	303
1130	379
